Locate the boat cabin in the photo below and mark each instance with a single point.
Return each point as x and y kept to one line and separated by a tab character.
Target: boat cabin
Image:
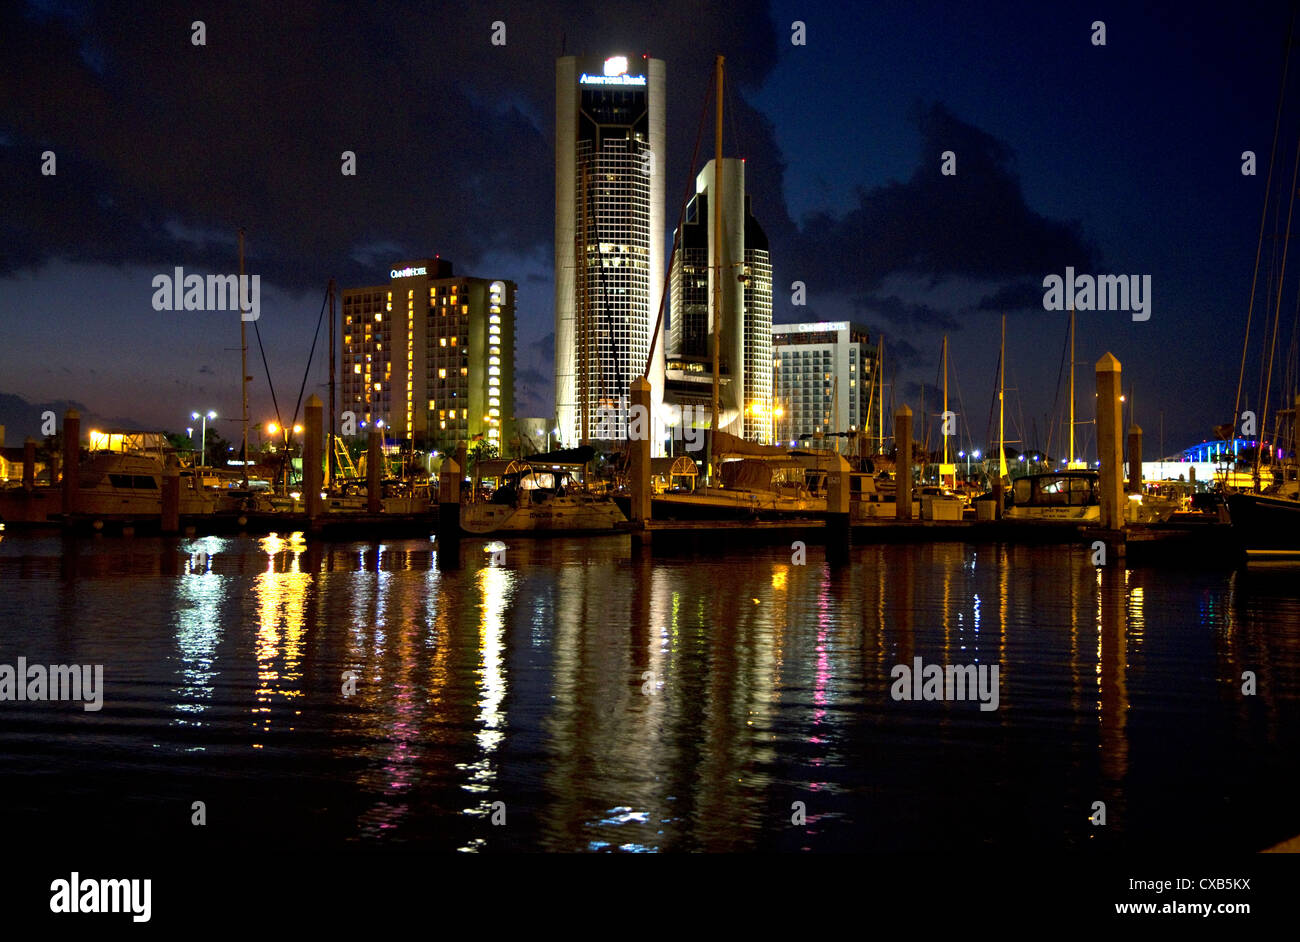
1057	489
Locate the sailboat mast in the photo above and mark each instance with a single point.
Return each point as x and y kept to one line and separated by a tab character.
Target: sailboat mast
717	251
329	448
835	415
243	357
1002	382
880	372
1070	463
943	428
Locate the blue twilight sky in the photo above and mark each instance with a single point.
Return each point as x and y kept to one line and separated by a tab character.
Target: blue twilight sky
1123	158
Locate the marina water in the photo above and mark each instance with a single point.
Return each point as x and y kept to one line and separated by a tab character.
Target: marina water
577	695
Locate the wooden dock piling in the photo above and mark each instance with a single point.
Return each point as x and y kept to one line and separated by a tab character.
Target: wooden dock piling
639	455
374	470
312	457
1109	444
71	461
903	467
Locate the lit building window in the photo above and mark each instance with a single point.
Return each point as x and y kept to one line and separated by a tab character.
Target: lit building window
378	316
494	402
494	319
494	412
453	341
494	361
442	341
357	368
493	371
442	374
464	371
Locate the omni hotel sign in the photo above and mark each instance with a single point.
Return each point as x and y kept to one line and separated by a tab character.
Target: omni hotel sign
406	272
615	74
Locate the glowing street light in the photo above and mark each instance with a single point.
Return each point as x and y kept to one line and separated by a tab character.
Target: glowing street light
203	437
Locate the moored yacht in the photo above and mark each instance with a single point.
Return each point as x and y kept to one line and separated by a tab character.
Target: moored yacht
544	500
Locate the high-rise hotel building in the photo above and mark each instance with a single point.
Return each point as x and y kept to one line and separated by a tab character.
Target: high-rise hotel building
824	376
610	154
431	355
745	357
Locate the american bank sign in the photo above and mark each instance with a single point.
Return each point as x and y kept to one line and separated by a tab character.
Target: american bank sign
619	80
615	74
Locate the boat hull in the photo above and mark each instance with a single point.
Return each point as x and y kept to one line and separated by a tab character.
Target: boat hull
1265	526
721	504
557	516
1071	515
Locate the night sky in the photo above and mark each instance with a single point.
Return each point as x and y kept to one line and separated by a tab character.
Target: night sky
1117	159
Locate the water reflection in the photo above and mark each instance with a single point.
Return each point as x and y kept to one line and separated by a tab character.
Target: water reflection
281	596
200	596
495	586
616	700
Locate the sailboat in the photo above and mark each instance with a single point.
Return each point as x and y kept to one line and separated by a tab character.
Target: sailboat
745	479
1266	520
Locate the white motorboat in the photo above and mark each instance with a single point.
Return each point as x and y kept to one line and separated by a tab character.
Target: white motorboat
537	500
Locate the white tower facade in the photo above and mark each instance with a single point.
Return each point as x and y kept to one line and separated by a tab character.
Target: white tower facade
609	242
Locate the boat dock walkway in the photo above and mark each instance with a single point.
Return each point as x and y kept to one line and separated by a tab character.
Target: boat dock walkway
1198	542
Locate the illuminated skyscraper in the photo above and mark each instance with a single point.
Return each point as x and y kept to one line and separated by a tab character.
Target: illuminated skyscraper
609	241
745	360
825	373
431	355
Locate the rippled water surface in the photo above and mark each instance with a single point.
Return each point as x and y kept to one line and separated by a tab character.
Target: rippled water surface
614	700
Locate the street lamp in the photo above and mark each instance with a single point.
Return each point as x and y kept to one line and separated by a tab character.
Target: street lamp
203	437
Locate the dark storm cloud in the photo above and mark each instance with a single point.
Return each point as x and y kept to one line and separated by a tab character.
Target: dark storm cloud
975	224
899	352
902	313
1014	297
453	136
22	419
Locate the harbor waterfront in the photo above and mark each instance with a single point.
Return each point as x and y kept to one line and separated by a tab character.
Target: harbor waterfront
587	695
